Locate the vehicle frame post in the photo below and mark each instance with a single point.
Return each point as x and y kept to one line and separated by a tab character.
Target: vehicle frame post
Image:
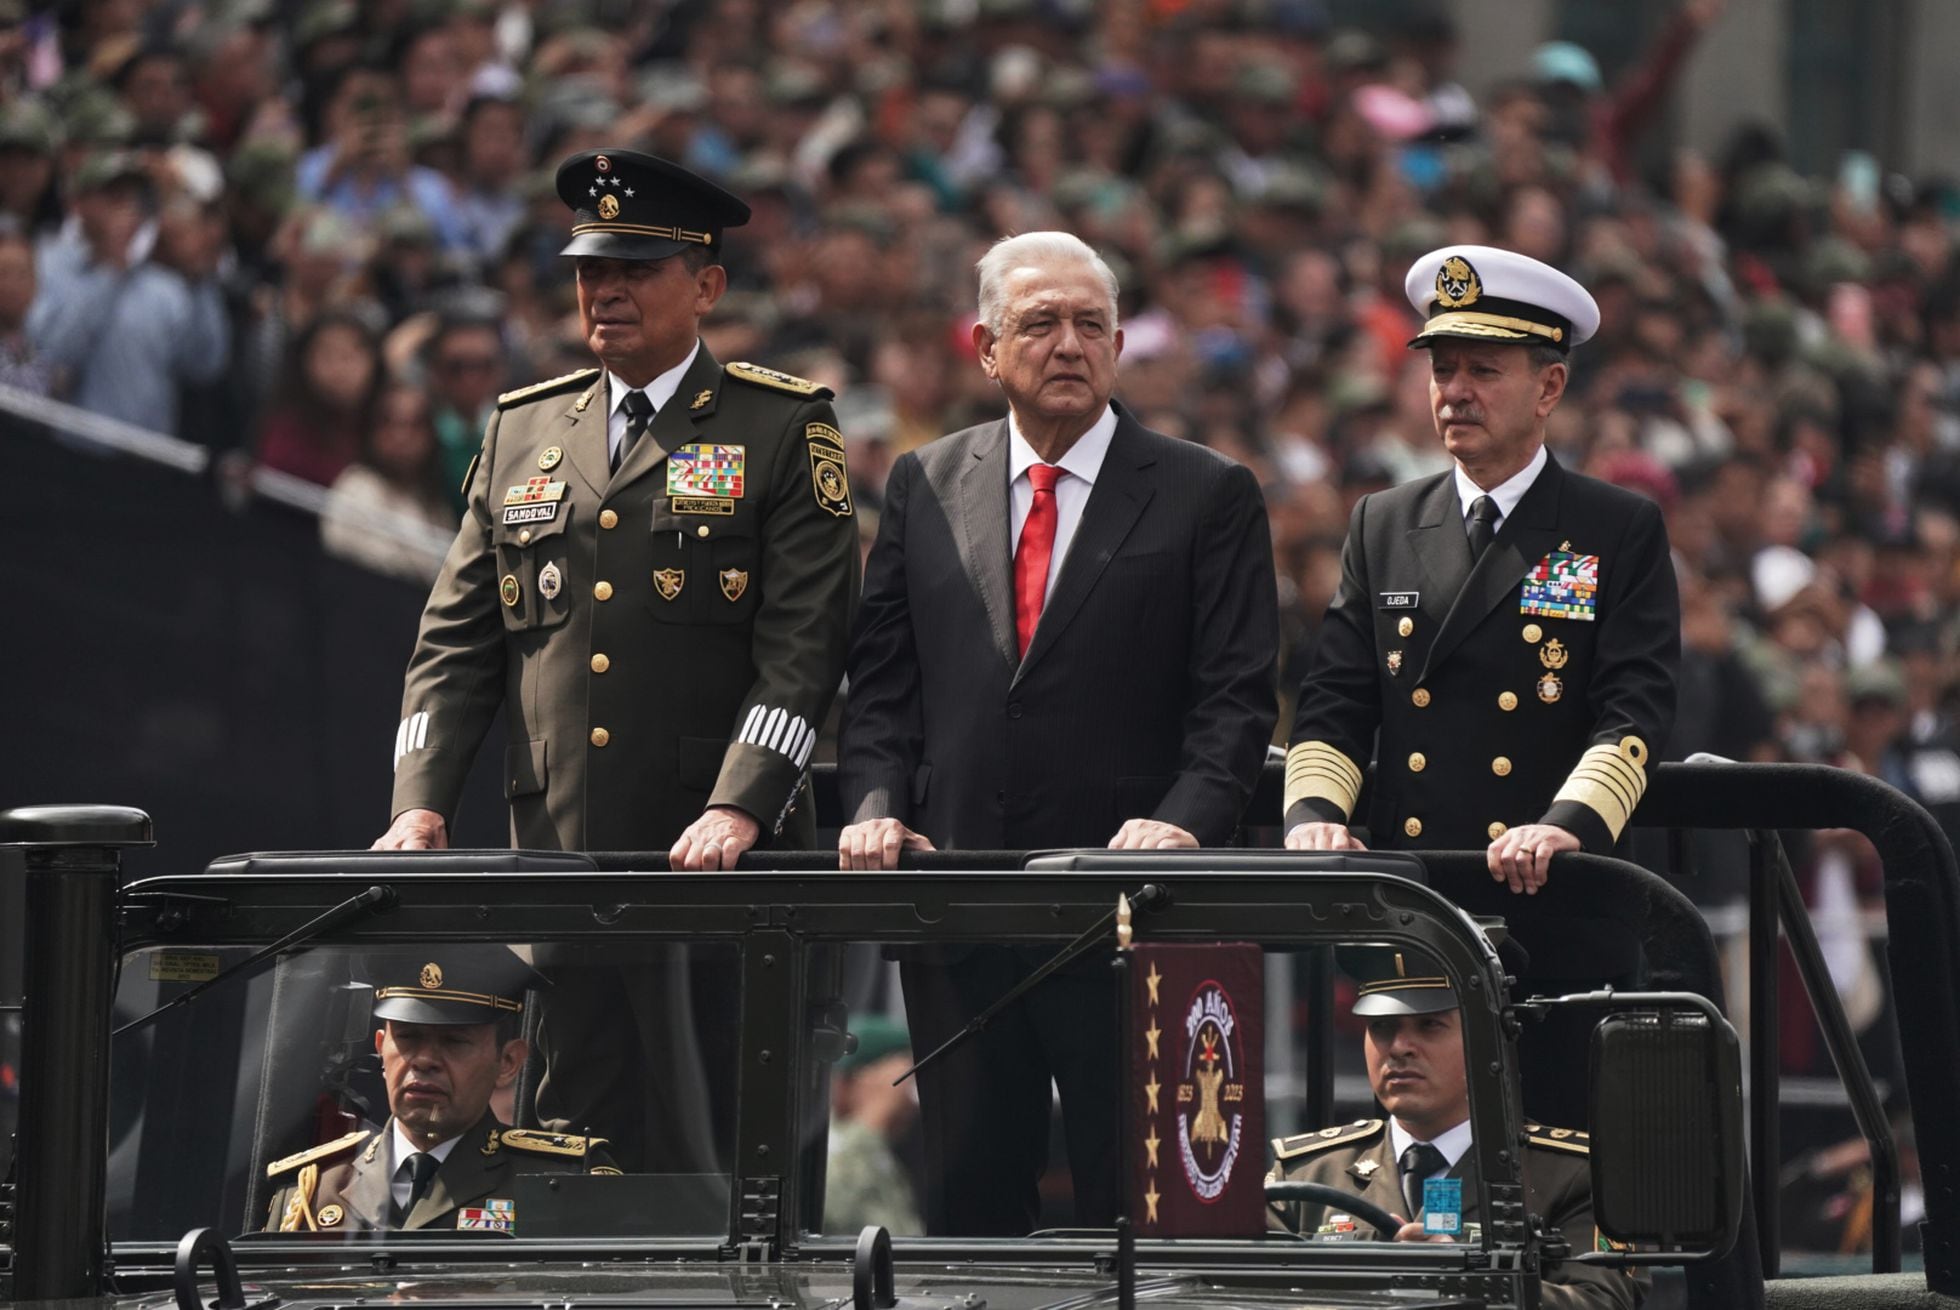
73	856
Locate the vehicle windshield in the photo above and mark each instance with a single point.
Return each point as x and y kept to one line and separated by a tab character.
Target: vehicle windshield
649	1082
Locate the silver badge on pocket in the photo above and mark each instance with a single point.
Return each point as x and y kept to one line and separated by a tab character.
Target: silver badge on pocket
549	581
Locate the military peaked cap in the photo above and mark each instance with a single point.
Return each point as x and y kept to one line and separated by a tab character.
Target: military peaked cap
626	205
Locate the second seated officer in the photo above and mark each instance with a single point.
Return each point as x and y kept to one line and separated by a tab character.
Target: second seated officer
655	576
1506	636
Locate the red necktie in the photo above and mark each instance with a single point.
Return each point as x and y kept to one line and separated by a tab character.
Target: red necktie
1031	555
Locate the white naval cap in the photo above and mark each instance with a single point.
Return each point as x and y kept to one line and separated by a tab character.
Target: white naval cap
1489	294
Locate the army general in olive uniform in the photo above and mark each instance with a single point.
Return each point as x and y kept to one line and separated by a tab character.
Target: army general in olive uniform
448	1040
655	576
1414	1051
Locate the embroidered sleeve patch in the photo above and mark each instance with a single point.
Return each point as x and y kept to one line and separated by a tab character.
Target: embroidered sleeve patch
1562	586
827	473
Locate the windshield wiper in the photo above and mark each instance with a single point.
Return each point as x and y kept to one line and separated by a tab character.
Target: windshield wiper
372	901
1151	896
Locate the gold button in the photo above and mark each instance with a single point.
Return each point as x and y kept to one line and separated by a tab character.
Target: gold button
1532	632
1507	700
701	531
1406	626
602	590
600	663
524	537
1420	696
1501	767
600	736
1417	763
608	519
1496	830
1413	827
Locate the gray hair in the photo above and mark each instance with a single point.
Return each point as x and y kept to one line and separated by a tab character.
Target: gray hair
1010	253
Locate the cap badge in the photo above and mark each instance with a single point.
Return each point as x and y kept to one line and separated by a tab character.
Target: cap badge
608	207
603	164
1457	284
432	975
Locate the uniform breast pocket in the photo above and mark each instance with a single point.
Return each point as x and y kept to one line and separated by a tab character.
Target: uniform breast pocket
711	579
534	573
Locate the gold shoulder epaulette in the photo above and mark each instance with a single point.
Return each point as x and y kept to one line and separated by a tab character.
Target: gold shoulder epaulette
1559	1139
320	1152
1288	1148
759	376
540	1143
563	382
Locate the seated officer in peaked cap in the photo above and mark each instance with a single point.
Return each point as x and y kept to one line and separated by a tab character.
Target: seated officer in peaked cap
1506	637
1414	1054
448	1039
655	575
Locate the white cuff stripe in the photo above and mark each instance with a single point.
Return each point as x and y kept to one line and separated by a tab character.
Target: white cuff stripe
411	734
421	729
780	731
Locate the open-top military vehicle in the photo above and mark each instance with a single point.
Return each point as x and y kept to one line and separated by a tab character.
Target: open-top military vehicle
185	1034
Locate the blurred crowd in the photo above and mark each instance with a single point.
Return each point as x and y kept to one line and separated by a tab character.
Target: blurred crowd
325	236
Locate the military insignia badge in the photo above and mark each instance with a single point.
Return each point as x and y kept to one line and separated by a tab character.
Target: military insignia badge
608	207
701	399
431	977
603	164
331	1216
1550	688
494	1215
734	582
1563	585
827	468
1457	283
493	1143
668	582
1364	1169
550	581
1553	656
509	590
703	470
1395	664
534	502
549	458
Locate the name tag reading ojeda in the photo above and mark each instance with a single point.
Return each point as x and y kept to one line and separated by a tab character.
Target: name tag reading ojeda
1399	600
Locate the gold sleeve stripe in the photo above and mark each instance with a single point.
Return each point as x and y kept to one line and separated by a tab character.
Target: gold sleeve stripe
1608	782
1316	771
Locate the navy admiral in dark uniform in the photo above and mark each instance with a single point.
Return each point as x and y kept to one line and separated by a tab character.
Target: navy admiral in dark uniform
1506	637
448	1040
1414	1050
656	573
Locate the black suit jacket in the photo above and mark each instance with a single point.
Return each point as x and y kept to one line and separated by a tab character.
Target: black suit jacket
1489	716
1148	688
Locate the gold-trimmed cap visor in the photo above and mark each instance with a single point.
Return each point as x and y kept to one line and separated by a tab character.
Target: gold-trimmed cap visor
1396	980
1484	293
629	205
449	984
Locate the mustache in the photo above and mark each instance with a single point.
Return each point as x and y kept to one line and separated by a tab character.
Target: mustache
1454	415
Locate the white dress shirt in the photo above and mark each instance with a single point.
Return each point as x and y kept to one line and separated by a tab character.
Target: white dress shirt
659	391
400	1147
1507	494
1080	466
1452	1143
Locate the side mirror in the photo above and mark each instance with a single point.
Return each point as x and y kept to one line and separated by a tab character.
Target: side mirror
1667	1167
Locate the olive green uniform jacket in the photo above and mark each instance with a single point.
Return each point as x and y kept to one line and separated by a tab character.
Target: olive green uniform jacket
1557	1187
344	1185
659	643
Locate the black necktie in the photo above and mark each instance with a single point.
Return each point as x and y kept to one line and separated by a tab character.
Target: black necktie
1483	525
1418	1163
639	412
421	1168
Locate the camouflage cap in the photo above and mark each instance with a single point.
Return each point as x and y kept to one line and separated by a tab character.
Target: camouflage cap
28	125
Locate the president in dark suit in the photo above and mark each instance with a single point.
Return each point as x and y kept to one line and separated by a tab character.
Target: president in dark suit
1506	637
1067	638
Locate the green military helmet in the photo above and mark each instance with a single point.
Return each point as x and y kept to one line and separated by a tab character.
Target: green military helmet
450	984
